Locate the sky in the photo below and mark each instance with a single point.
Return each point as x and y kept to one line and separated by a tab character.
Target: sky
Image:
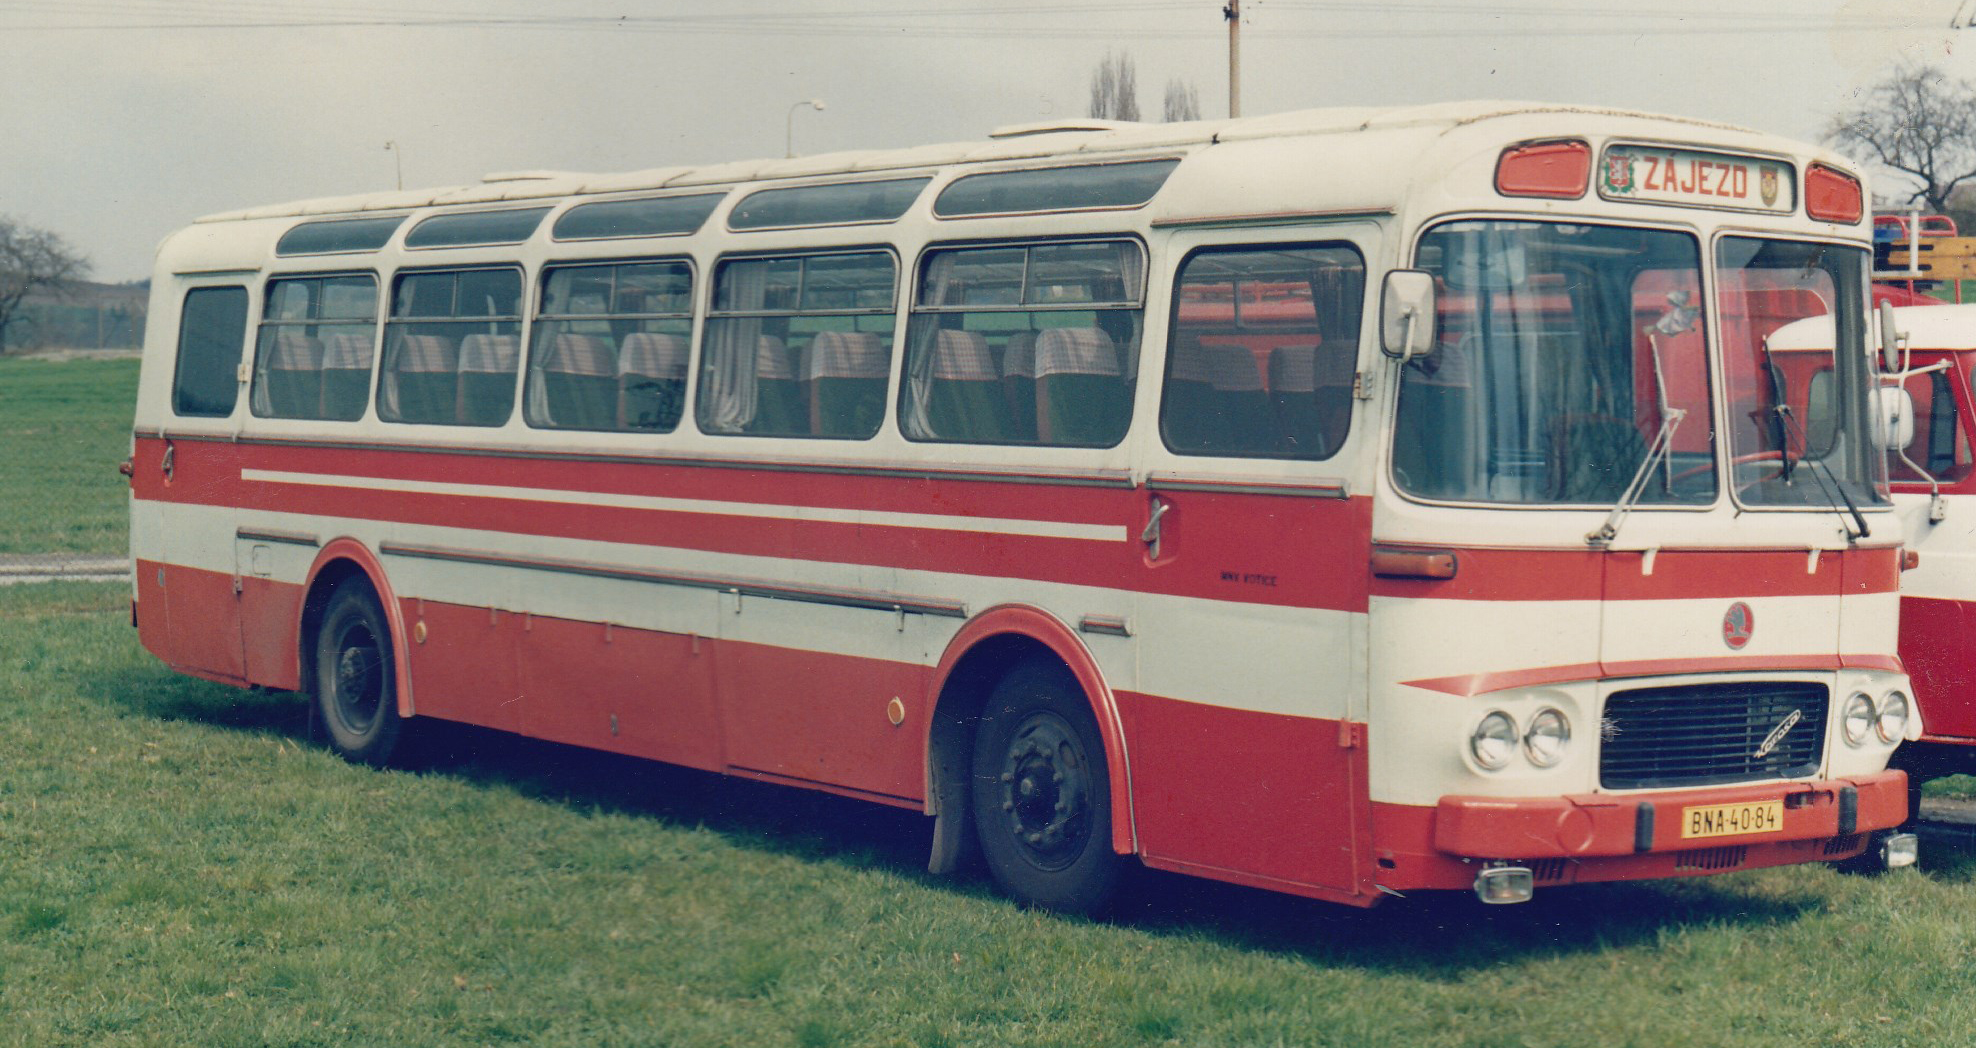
122	120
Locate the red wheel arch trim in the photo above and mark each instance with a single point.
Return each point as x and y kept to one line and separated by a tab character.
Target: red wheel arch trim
367	562
1051	632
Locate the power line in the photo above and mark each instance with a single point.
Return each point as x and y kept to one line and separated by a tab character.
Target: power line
931	22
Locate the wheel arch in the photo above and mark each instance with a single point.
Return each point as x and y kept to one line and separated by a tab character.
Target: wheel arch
982	651
338	561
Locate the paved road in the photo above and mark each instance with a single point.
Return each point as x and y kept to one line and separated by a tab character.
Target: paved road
47	567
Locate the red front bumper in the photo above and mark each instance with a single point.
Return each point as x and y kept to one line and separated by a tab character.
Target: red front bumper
1602	837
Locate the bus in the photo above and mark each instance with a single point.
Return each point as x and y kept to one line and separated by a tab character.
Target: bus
1346	503
1935	496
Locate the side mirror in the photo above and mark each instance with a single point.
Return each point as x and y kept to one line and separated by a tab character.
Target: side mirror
1895	426
1406	314
1890	341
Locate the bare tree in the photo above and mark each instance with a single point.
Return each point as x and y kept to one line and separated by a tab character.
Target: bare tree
32	260
1182	102
1919	122
1115	88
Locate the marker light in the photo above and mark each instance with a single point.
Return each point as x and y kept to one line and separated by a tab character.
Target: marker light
1559	170
1856	718
1549	736
1831	195
1494	741
1892	721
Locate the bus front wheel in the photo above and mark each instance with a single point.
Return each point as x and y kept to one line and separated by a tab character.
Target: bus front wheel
356	695
1041	794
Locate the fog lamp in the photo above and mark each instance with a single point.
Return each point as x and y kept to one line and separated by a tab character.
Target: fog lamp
1501	885
1900	849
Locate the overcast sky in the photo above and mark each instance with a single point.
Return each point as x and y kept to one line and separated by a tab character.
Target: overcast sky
121	120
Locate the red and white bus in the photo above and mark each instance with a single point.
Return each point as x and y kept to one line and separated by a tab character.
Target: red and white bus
1346	503
1935	494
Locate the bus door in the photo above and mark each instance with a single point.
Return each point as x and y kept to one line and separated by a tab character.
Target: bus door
1247	729
192	479
1937	609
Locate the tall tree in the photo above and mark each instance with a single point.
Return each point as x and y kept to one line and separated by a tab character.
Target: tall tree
1182	102
31	260
1115	88
1919	122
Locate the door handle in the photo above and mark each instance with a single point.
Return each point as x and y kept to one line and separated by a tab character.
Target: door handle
1151	536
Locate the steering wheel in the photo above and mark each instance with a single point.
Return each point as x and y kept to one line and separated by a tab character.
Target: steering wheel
1780	458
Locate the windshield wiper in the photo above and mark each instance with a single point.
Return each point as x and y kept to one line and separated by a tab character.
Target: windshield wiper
1787	426
1678	318
1662	443
1828	482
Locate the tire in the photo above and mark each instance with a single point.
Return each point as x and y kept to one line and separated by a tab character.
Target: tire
355	679
1041	793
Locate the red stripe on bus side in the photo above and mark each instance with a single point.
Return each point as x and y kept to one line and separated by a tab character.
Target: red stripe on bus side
1246	548
1588	575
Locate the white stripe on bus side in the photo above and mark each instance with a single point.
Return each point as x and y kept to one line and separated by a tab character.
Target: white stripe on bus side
931	521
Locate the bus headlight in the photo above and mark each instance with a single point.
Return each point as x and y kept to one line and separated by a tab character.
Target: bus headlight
1494	741
1856	718
1892	721
1549	736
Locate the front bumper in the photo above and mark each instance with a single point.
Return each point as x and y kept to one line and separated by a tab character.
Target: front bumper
1602	837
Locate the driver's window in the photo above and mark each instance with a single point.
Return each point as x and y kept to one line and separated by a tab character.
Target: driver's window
1940	446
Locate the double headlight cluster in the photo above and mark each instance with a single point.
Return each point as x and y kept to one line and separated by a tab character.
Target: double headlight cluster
1543	741
1861	716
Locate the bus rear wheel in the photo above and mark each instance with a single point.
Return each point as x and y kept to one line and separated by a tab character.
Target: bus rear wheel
1041	793
355	685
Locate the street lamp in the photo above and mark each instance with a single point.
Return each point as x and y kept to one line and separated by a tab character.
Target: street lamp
789	131
398	159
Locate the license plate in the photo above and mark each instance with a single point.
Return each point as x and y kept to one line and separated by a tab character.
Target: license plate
1732	820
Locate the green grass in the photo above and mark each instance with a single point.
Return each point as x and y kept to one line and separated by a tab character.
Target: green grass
64	428
180	866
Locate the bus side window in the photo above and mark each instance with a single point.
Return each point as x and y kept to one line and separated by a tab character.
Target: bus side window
211	331
1263	351
610	347
313	359
452	347
799	346
1025	344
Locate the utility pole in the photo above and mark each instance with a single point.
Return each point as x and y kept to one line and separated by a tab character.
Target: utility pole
1233	12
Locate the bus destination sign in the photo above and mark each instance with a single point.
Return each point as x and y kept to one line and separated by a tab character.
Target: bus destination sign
1655	175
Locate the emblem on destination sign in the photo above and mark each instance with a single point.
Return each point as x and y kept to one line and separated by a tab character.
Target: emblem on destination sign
1619	172
1766	185
1737	625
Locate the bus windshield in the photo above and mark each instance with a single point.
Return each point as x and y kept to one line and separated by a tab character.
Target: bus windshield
1563	354
1797	416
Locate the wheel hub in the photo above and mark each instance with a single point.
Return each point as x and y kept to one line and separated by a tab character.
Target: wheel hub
358	682
1046	791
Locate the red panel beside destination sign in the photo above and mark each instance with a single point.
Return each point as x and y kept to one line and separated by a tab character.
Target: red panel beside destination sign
1654	175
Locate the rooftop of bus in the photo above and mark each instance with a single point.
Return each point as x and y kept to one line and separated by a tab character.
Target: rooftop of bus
1038	141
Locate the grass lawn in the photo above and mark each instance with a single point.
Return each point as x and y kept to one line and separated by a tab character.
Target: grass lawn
180	866
64	428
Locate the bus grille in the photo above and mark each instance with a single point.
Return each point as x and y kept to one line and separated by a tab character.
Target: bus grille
1711	734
